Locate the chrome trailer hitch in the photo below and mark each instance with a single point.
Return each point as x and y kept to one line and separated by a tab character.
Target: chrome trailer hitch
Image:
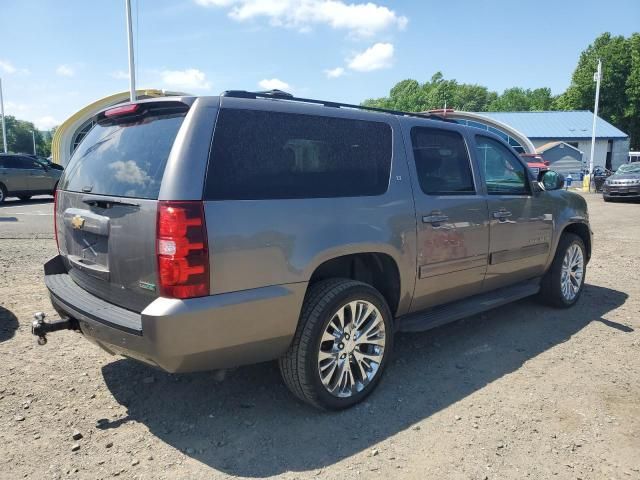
40	328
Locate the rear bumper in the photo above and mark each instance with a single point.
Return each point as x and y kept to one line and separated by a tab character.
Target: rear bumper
207	333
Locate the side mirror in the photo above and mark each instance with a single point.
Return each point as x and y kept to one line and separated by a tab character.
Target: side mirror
551	180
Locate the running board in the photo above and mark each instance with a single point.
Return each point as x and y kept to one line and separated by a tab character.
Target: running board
437	316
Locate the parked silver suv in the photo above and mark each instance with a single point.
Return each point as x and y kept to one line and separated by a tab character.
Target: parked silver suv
23	176
210	232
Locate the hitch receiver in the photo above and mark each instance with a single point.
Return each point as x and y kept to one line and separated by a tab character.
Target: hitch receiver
40	328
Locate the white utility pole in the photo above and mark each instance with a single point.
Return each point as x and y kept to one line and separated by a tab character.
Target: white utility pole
4	128
33	136
132	71
597	77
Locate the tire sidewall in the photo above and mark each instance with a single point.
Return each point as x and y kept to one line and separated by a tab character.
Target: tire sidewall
359	292
3	193
573	240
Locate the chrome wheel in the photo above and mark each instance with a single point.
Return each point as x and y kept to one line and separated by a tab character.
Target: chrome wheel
572	272
351	348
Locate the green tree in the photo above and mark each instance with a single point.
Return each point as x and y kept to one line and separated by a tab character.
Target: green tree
409	95
618	92
20	140
518	99
632	111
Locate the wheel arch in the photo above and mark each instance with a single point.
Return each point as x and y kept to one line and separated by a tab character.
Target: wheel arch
375	268
581	230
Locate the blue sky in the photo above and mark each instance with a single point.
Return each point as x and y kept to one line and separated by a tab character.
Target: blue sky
57	56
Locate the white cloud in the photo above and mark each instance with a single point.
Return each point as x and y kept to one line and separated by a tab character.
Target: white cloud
65	71
7	67
46	122
120	75
273	84
364	19
334	72
189	79
13	108
376	57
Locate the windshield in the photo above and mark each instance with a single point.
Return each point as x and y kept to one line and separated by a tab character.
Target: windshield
124	160
629	168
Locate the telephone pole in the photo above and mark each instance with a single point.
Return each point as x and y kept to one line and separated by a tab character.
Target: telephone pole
4	127
597	77
132	71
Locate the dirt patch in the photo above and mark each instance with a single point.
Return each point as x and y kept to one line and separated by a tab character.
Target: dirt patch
523	391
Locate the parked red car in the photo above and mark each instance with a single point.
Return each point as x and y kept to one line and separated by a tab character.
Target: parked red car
535	162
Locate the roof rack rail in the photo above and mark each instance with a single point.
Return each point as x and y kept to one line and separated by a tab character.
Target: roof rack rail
280	95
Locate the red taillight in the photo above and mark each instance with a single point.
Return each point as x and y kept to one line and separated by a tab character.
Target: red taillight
181	247
123	110
55	218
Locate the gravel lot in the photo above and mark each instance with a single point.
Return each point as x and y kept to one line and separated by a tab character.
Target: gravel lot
523	391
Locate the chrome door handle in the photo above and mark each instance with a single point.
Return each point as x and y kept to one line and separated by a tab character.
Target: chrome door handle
501	214
436	218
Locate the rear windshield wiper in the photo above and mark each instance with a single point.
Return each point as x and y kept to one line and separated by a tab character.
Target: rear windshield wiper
108	202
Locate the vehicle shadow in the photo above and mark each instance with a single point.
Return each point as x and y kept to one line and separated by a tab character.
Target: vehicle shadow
249	425
15	201
8	324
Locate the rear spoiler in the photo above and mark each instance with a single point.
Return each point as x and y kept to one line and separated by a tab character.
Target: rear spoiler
135	112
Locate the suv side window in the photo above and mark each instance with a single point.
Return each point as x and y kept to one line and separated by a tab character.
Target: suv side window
442	162
503	172
273	155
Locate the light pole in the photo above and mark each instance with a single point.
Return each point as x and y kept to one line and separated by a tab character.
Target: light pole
33	136
132	72
597	78
4	128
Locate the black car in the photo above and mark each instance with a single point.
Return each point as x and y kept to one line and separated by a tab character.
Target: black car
625	183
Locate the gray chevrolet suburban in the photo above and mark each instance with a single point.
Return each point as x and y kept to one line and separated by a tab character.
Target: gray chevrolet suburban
199	233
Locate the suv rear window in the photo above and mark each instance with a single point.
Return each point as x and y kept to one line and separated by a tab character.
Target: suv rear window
273	155
123	160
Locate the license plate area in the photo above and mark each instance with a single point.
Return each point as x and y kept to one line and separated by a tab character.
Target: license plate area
87	241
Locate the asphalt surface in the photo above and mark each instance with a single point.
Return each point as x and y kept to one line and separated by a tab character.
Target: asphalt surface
30	219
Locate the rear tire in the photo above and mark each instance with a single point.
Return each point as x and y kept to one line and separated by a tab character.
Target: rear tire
562	285
24	198
344	325
606	199
3	193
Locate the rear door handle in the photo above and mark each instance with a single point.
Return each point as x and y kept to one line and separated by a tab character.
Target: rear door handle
435	218
501	214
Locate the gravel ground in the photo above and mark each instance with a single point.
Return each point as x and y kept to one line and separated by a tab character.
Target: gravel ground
523	391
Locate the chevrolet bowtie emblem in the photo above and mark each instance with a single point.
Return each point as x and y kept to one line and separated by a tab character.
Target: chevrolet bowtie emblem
77	222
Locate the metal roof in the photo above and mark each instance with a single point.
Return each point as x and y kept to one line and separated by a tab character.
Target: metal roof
556	124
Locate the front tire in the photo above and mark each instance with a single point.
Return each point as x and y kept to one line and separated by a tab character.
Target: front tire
342	344
563	284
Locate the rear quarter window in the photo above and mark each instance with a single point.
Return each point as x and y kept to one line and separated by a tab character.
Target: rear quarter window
123	160
273	155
